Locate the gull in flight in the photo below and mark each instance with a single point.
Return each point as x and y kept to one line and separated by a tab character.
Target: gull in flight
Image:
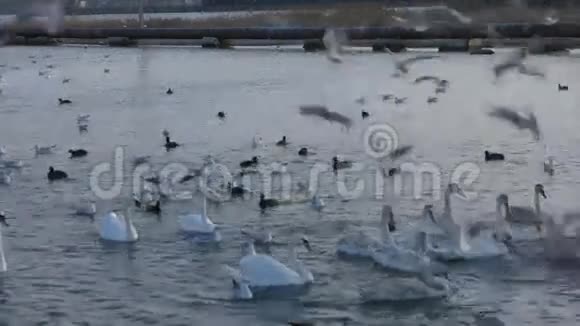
517	119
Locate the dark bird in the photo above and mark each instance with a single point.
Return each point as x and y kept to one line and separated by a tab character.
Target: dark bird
337	164
361	100
169	91
282	142
187	178
403	66
3	219
154	180
431	99
303	151
107	71
490	156
421	79
64	101
562	87
267	203
236	191
387	97
154	208
83	128
221	115
440	90
517	119
56	174
169	144
400	100
364	114
251	163
400	151
77	153
323	112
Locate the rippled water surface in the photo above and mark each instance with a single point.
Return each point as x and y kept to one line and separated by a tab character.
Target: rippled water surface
59	272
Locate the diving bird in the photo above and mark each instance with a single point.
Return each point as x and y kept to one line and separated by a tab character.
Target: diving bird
490	156
267	203
169	91
517	119
74	153
64	101
323	112
56	174
562	87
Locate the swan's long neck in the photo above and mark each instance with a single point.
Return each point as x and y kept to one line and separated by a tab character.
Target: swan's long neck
502	228
304	273
245	292
385	232
537	203
204	216
3	266
447	207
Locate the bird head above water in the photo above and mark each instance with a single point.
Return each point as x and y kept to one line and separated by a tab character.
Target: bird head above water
388	218
428	212
539	189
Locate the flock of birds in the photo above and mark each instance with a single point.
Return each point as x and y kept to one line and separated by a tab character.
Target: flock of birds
440	238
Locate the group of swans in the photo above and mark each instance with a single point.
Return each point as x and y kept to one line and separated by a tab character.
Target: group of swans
260	271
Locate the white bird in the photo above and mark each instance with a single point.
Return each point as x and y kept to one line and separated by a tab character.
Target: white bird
86	208
197	223
263	271
360	243
262	237
241	285
391	256
456	243
526	215
317	203
43	150
116	227
5	178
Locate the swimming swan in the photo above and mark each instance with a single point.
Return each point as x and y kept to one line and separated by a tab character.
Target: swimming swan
391	256
526	215
262	271
116	227
360	243
197	223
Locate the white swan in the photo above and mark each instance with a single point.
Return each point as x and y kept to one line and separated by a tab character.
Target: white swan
457	244
242	289
197	223
43	150
527	215
116	227
360	243
317	203
86	208
424	285
262	271
5	178
391	256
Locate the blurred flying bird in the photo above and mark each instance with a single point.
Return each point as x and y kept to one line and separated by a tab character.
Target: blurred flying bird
403	66
517	119
324	113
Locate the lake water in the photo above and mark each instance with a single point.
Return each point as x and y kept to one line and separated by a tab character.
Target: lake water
59	273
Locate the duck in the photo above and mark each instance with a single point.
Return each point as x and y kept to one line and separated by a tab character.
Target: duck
5	178
400	100
364	114
236	191
56	174
263	271
303	151
64	101
317	203
169	91
43	150
221	115
490	156
282	142
267	203
360	243
118	228
75	153
250	163
528	216
562	87
3	265
337	165
432	99
169	144
107	70
197	223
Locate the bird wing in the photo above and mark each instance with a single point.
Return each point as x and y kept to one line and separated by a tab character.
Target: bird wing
400	151
427	78
506	114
